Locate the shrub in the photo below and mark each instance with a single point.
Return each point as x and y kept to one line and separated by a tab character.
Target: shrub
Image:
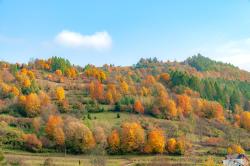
49	162
32	143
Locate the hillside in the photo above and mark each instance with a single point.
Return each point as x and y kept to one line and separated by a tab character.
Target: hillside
198	107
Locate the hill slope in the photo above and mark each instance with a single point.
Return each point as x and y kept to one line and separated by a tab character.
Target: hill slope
198	106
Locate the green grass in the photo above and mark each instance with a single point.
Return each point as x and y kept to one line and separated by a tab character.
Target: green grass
109	118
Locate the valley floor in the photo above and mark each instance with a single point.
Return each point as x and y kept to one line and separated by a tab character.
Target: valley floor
31	159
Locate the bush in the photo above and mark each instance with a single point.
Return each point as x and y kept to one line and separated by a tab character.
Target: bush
32	143
3	161
49	162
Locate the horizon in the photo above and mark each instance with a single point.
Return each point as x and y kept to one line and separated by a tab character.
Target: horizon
95	32
129	65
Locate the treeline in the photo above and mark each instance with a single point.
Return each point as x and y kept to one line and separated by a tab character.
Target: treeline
202	63
228	93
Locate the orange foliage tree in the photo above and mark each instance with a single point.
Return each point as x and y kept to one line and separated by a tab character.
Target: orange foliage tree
114	142
54	122
211	109
58	72
54	129
165	77
138	107
31	104
32	143
184	103
96	90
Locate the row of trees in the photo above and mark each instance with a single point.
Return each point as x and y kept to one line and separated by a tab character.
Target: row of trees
131	137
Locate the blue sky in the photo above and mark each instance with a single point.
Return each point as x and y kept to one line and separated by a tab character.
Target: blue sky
121	32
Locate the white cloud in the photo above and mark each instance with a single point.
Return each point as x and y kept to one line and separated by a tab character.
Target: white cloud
99	40
235	52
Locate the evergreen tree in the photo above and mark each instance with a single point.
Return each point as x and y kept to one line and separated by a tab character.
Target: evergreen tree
234	99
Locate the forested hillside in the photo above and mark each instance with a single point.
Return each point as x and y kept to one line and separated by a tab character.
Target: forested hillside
197	106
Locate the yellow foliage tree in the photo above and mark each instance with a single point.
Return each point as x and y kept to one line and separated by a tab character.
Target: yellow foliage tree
245	120
60	95
171	145
156	141
210	162
132	137
171	107
26	82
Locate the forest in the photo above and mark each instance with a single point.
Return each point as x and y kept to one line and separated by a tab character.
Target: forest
198	107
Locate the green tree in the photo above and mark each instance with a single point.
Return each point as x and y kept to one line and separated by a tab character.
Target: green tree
58	63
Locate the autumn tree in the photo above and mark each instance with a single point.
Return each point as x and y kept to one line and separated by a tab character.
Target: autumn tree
176	146
210	162
109	97
149	80
31	104
235	149
124	87
59	136
60	95
99	135
165	77
58	72
96	90
97	73
132	137
184	102
171	145
245	120
53	122
114	142
71	72
211	109
171	108
32	143
163	98
54	129
79	137
15	91
155	142
138	107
